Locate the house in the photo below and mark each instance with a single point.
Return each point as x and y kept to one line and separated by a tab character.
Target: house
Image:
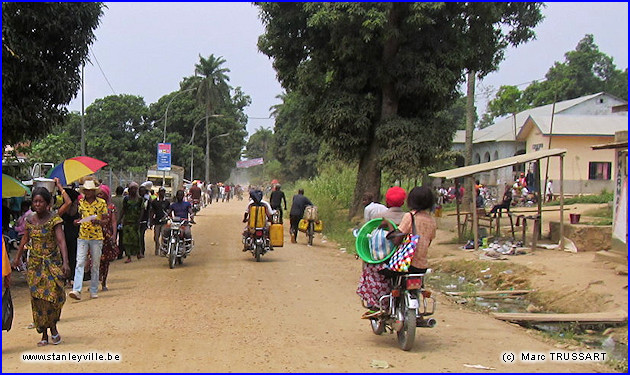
506	138
620	203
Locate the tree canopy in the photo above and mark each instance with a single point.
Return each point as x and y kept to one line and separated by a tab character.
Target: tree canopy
373	77
586	70
44	46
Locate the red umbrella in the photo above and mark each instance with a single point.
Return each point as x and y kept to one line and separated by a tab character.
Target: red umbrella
73	169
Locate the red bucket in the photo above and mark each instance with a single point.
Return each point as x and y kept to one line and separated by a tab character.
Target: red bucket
574	218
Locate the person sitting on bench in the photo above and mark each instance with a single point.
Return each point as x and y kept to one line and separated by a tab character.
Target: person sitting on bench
505	204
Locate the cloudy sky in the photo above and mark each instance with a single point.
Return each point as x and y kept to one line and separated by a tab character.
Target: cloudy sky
146	49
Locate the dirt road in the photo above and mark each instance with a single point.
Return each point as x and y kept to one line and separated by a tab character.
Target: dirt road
295	311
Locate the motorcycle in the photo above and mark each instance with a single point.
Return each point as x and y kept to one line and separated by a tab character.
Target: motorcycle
178	247
257	242
196	205
404	309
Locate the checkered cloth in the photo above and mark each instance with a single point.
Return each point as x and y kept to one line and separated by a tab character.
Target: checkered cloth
401	260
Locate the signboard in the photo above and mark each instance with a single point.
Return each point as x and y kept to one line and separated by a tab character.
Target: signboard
164	157
249	163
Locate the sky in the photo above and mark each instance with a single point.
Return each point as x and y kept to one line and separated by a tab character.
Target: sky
146	49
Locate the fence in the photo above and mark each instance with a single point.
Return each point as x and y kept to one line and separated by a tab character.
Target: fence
120	178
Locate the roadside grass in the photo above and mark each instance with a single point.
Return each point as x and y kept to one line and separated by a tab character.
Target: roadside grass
603	197
604	215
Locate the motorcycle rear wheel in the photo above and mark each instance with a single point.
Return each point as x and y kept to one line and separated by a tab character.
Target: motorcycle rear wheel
257	253
407	334
310	232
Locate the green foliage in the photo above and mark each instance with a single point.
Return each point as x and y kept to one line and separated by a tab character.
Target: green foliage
586	70
43	48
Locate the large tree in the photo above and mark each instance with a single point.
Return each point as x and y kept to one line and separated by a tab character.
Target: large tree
374	75
44	46
586	70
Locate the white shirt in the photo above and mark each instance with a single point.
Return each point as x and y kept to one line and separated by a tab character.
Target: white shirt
549	187
373	210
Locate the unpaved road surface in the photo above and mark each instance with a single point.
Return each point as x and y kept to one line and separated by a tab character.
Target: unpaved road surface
295	311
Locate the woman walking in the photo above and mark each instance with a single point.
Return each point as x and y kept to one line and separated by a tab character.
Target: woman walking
132	210
110	249
47	265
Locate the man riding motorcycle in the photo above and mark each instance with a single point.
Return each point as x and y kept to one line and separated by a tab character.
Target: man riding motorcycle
255	218
183	210
195	196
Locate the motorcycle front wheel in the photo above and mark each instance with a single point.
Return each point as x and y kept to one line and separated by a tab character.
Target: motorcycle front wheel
172	255
407	334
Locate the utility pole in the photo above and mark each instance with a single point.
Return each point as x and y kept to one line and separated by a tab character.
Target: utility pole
470	125
82	111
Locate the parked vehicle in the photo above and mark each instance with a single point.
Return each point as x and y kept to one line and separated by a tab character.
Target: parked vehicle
178	247
404	309
173	179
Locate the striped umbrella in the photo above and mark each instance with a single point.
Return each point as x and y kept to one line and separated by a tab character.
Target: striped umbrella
73	169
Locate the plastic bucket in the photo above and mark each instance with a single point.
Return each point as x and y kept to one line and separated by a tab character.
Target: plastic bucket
574	218
362	243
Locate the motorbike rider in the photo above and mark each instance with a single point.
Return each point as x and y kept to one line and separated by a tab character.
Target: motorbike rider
195	196
183	210
276	199
158	215
256	199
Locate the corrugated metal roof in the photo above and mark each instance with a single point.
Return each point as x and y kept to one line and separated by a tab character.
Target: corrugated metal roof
496	164
503	129
580	125
613	145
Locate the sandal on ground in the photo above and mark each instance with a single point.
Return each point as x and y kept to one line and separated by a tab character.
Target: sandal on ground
30	326
56	339
42	343
128	260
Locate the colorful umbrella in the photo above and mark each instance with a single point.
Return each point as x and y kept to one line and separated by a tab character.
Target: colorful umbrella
73	169
12	187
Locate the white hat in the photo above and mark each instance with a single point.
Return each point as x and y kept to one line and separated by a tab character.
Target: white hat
89	185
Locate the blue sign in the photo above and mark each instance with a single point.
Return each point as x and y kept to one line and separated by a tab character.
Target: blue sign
164	157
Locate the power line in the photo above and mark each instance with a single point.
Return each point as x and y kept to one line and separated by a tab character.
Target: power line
102	72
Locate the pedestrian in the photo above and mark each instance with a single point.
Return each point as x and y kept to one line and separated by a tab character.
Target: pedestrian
110	229
216	192
132	210
144	218
372	209
93	212
298	205
158	216
394	199
117	201
47	265
228	192
71	231
549	190
277	197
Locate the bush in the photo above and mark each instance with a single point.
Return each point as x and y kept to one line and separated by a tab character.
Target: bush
603	197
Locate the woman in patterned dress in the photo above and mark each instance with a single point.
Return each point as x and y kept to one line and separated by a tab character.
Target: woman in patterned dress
47	265
132	209
109	224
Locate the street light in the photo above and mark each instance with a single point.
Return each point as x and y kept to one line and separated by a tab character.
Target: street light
192	138
168	105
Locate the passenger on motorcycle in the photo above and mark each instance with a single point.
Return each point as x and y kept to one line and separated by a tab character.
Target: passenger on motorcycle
372	284
178	209
256	200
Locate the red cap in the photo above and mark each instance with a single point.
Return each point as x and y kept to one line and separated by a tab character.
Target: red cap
395	196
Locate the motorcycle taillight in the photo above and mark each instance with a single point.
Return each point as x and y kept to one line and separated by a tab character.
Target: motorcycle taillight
396	293
414	283
259	233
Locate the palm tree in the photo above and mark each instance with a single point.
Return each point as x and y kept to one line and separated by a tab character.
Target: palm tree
211	85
